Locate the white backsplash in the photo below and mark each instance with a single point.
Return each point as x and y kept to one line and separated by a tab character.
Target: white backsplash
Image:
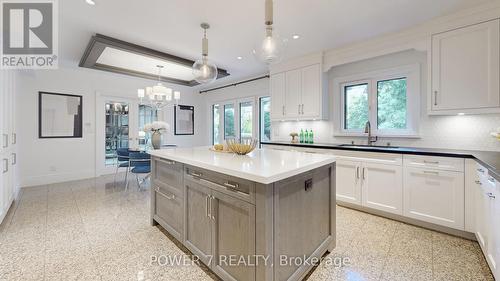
470	132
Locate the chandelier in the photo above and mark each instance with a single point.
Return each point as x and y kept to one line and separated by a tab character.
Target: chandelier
158	96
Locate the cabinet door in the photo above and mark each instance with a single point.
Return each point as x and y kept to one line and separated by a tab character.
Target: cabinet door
169	208
382	187
3	184
233	236
434	196
494	239
311	91
278	96
198	223
465	67
348	181
293	91
481	208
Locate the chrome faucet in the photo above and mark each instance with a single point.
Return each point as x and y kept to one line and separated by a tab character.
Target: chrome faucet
368	130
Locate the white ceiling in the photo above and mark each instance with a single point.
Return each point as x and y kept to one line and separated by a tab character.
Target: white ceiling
172	26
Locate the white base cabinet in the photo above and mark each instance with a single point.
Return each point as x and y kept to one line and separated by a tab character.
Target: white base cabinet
371	183
434	196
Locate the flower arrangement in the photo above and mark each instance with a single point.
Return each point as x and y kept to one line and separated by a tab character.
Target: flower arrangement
156	127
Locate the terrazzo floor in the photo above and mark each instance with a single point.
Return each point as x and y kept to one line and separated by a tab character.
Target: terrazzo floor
94	230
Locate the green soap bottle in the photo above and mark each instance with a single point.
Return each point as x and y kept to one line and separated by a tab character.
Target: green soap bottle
301	136
306	136
311	136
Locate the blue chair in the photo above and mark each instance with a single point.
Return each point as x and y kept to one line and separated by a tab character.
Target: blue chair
123	161
140	163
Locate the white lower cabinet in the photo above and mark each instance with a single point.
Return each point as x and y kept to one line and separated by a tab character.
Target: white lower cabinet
434	196
370	184
348	181
382	187
494	247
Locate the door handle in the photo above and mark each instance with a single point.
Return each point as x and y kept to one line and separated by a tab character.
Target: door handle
207	205
197	175
357	172
165	195
5	140
14	138
283	110
14	159
435	97
299	109
364	173
211	205
431	173
302	109
6	165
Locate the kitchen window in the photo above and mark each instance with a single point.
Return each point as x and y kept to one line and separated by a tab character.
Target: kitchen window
389	100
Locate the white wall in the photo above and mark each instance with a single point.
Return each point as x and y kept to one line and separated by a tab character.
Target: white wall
45	161
458	132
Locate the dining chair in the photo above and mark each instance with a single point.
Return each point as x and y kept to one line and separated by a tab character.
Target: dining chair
122	162
140	163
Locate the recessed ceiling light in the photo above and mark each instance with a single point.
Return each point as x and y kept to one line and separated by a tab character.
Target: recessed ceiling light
295	36
90	2
239	58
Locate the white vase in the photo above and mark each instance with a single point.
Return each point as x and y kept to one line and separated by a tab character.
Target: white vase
156	140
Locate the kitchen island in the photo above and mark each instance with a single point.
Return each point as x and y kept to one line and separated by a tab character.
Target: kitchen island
262	216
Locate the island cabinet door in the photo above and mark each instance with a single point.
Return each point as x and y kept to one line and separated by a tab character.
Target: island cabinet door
349	181
382	187
198	222
233	237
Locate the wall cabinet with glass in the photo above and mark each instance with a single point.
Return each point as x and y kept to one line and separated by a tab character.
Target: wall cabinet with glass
299	90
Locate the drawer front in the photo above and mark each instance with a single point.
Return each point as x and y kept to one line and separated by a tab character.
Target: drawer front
233	186
432	162
167	173
169	210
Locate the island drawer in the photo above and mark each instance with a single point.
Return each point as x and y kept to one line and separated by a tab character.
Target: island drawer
233	186
167	173
169	212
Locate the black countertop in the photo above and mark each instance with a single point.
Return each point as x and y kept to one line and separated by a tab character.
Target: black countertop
489	159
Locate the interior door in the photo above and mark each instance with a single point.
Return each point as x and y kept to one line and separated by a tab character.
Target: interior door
382	187
198	221
348	181
233	235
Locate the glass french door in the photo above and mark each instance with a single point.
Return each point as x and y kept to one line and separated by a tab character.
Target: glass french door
234	119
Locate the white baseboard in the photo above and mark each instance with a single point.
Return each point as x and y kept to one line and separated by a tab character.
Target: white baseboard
56	178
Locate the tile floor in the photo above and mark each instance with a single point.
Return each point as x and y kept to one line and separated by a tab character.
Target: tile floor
92	230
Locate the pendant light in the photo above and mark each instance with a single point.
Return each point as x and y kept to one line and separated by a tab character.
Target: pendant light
204	70
270	49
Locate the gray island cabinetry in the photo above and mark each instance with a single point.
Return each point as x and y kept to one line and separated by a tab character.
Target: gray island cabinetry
252	217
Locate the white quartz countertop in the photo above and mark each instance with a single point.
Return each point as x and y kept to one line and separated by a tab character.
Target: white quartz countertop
261	165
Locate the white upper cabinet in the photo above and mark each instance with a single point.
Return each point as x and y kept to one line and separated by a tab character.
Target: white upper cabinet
465	70
311	91
278	96
293	96
299	90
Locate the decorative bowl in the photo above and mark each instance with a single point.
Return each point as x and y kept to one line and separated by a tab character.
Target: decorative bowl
242	148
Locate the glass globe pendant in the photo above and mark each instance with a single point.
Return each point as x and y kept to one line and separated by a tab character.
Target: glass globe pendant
204	71
270	49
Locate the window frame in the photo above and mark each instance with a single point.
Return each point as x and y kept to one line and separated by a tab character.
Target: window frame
412	75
